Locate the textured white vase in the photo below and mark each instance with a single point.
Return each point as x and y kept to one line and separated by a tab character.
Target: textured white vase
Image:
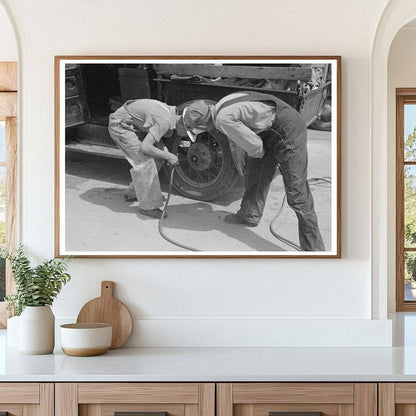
37	330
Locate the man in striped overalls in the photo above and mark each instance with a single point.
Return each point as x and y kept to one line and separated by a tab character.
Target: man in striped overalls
273	134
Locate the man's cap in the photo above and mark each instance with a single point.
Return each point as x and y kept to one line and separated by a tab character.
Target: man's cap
196	116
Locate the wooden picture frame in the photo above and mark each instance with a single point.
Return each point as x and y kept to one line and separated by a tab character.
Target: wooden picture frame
91	222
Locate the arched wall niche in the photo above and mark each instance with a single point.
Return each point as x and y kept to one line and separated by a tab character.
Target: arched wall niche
9	55
401	74
396	15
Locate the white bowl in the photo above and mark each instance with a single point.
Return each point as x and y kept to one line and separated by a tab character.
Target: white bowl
83	340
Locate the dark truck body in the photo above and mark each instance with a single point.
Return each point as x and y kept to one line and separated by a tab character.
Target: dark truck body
210	166
196	82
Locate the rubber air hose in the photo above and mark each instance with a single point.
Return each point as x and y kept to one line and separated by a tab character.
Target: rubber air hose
311	181
160	225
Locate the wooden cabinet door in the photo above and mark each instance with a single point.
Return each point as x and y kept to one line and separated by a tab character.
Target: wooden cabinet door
153	399
297	399
397	399
27	399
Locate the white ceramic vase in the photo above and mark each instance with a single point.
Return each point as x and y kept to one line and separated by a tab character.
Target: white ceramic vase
37	330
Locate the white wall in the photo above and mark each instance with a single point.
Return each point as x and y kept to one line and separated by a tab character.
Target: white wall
179	302
401	74
8	47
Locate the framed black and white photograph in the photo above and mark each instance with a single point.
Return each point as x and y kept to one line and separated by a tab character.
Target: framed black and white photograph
198	156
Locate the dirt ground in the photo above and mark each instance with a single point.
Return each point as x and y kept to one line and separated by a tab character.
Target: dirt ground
98	218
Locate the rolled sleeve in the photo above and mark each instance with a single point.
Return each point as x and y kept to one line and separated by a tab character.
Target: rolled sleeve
156	126
241	135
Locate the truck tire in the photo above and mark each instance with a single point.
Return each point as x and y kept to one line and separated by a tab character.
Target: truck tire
206	169
324	122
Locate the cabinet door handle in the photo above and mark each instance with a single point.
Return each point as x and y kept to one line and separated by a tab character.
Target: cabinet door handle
138	414
296	414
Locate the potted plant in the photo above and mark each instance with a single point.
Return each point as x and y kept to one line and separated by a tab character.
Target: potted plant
36	289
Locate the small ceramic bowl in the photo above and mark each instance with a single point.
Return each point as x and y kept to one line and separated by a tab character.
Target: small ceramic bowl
84	340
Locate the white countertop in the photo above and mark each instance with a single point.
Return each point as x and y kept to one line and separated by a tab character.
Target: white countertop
213	364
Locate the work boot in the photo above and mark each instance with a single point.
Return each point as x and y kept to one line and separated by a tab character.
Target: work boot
238	219
153	213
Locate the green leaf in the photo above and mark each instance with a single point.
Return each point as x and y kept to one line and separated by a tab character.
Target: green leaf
35	286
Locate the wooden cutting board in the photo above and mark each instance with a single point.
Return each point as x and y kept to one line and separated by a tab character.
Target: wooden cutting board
107	309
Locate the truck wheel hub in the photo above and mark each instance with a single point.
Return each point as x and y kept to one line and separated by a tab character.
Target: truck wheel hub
200	157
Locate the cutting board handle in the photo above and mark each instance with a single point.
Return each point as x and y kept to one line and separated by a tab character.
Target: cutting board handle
107	289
